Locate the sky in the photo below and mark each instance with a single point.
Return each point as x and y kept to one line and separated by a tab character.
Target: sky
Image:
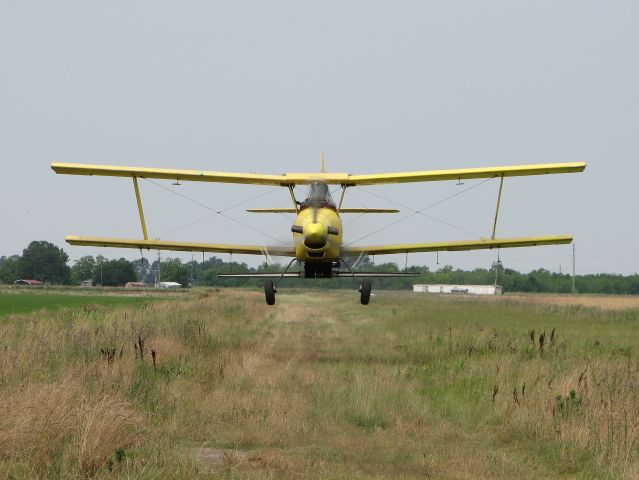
253	86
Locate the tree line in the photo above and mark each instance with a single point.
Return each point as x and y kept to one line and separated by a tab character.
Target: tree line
46	262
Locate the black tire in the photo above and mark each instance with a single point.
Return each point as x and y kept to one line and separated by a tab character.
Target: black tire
365	292
269	292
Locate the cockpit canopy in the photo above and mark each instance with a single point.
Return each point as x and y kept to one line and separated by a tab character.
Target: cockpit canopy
319	196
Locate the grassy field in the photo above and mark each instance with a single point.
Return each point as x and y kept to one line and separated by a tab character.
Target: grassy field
14	302
214	384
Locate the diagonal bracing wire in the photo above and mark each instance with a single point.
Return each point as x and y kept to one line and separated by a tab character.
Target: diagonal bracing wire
220	212
231	207
421	211
350	221
431	217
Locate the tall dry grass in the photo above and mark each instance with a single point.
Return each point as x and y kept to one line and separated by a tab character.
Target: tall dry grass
80	389
587	412
604	302
104	426
319	387
53	428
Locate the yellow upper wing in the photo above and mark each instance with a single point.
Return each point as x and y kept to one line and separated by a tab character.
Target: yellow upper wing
307	178
467	173
180	246
482	244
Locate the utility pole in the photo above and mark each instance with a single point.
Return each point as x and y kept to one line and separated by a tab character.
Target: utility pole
159	279
573	268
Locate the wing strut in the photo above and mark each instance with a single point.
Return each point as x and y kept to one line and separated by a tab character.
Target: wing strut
341	199
139	200
501	186
295	205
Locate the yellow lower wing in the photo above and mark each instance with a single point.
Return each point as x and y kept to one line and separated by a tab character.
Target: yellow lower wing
341	210
180	246
483	244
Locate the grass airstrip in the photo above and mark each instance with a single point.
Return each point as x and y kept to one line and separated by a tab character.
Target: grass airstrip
215	384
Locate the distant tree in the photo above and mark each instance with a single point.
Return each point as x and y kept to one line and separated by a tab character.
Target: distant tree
206	274
100	260
172	270
143	270
44	261
633	284
10	268
83	269
193	267
263	268
363	264
115	273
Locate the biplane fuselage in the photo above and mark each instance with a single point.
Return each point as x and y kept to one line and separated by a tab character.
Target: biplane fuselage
315	243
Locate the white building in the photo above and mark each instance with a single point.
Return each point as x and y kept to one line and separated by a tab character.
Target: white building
459	289
168	285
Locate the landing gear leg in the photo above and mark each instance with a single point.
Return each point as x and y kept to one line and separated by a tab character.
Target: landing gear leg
269	292
365	291
270	288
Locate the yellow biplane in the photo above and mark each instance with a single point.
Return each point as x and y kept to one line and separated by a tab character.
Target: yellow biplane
317	229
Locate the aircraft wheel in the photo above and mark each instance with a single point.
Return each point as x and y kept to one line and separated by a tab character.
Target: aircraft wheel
365	292
269	292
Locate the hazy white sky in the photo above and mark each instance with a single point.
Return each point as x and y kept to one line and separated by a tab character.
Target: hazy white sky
379	86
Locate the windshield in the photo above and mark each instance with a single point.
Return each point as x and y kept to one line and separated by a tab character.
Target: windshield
319	196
